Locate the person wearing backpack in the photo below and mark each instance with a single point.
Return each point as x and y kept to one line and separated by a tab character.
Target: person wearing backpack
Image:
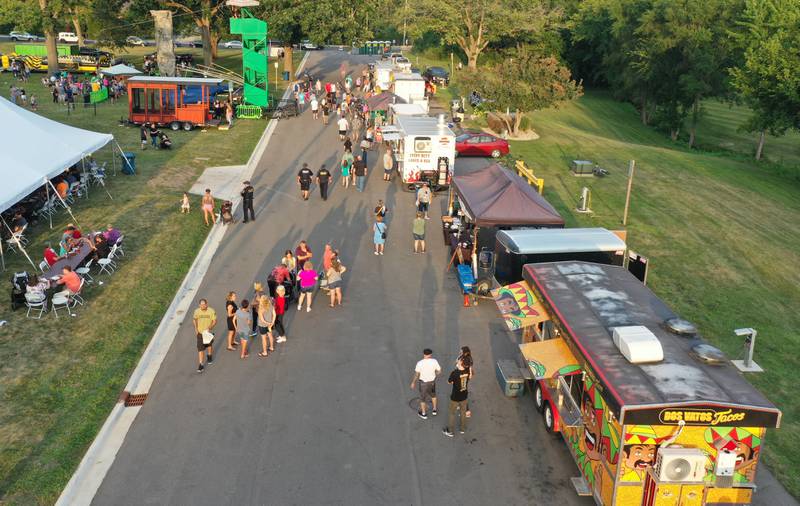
379	234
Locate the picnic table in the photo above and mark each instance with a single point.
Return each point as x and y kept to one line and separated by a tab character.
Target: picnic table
74	260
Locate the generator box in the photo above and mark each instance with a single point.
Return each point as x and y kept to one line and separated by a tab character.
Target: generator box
510	378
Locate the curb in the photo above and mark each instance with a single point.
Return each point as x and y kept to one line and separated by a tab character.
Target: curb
98	459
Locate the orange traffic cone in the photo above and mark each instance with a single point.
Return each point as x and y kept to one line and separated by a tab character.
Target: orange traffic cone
466	300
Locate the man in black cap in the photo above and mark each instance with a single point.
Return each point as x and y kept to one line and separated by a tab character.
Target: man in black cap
304	180
323	178
247	201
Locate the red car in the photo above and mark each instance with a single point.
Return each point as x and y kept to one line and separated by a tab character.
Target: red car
481	144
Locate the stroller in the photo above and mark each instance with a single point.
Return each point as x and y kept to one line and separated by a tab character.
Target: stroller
226	212
18	283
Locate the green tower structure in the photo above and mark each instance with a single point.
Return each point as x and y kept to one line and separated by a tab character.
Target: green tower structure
255	53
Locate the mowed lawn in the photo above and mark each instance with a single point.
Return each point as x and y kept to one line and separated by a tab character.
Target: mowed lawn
59	378
722	235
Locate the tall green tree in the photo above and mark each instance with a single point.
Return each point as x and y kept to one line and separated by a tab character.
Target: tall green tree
523	84
768	80
473	25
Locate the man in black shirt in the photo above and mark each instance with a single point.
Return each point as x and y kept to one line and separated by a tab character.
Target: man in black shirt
304	180
459	378
360	169
247	201
323	178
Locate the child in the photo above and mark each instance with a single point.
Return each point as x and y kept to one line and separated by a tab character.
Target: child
380	209
143	135
185	204
280	309
34	104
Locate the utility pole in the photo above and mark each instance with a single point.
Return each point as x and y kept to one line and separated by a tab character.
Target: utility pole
631	168
405	19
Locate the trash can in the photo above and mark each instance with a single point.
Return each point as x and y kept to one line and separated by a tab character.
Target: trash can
285	75
511	380
128	163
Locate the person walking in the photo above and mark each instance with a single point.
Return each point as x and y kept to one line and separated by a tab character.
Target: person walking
365	145
388	164
418	231
143	135
266	319
326	113
308	281
230	313
379	234
459	378
323	178
204	320
343	125
346	165
424	196
242	322
154	135
207	204
426	372
381	209
247	194
281	303
315	106
304	180
334	276
360	168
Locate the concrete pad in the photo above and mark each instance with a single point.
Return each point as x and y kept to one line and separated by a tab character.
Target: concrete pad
224	182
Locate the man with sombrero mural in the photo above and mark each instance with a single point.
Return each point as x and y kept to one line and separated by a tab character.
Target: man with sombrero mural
638	452
741	441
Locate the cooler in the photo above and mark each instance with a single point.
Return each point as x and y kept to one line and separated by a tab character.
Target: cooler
510	378
128	163
465	278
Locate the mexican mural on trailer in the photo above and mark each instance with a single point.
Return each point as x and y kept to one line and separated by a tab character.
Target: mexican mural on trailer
518	306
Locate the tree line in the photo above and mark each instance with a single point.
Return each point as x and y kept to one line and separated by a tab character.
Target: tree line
666	57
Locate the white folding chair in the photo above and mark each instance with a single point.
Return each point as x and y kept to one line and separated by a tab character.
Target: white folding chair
16	239
44	266
84	271
35	302
60	300
118	244
107	264
75	298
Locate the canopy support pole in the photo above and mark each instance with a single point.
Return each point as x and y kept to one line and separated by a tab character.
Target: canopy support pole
2	255
113	160
19	245
69	209
85	176
49	214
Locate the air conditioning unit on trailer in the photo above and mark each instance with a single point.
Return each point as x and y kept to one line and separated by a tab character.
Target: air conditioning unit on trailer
683	465
638	344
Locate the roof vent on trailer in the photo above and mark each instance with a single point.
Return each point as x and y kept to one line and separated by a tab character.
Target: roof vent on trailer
681	327
638	344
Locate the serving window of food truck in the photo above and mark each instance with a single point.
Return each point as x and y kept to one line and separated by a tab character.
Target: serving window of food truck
652	414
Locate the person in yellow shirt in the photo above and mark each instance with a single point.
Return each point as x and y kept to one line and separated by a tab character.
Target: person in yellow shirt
204	320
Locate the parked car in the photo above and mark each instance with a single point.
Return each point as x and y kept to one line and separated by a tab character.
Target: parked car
232	44
307	45
67	37
15	36
437	75
134	41
184	43
481	144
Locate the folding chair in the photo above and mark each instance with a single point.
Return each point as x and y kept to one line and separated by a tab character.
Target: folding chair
35	302
107	264
118	244
44	266
84	271
75	298
60	300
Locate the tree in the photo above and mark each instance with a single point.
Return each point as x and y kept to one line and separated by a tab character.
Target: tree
768	80
205	14
524	84
473	25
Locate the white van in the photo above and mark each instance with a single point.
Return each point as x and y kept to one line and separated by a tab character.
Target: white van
67	37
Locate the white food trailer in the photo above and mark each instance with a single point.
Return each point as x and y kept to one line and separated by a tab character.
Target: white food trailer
425	149
410	86
406	110
384	75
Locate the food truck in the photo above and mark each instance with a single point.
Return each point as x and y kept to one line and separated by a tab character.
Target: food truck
410	86
425	148
652	414
384	74
406	110
180	102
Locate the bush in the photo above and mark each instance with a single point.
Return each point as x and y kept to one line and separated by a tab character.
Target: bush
526	123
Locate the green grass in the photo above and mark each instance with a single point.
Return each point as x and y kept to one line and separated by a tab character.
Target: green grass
60	378
719	130
721	234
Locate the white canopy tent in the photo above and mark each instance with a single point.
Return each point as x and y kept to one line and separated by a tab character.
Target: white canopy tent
120	69
34	149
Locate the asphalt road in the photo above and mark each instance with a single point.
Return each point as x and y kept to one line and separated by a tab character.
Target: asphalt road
328	418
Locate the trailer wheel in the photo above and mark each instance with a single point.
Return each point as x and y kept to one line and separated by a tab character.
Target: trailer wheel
175	126
496	153
483	287
188	126
538	397
549	418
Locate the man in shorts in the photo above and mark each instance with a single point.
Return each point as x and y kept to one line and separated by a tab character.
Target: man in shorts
424	196
304	180
242	322
342	125
204	320
388	165
426	371
418	231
